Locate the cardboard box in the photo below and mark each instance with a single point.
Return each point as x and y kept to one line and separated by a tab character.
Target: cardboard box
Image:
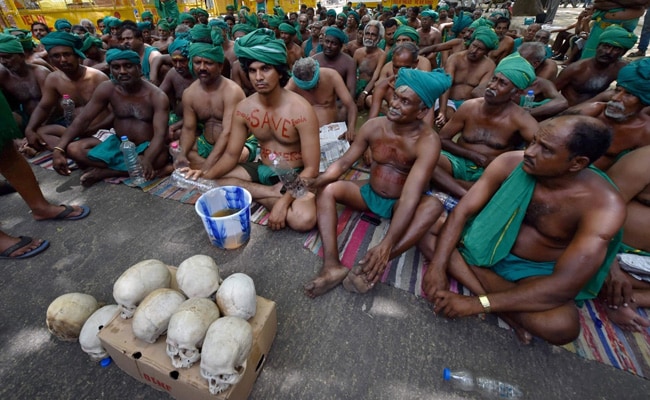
150	364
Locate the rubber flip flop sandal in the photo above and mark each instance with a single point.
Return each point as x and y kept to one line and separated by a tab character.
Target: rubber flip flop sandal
64	215
24	241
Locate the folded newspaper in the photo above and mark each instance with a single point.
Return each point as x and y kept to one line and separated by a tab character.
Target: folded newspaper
331	148
636	265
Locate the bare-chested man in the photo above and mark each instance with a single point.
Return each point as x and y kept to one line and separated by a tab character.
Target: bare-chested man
164	38
488	127
405	34
71	78
332	57
369	60
584	79
285	125
544	230
210	100
403	148
352	26
141	112
625	113
176	81
131	38
311	44
95	54
627	288
470	71
288	34
322	87
429	35
506	43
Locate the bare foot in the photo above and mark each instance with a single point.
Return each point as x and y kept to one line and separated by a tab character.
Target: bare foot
627	318
329	278
356	282
25	149
94	175
522	334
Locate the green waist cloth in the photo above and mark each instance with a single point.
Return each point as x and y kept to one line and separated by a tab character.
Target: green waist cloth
490	235
599	25
624	248
109	152
361	86
9	129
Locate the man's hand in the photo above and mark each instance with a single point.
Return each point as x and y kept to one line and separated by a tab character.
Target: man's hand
435	280
35	140
480	160
278	215
191	173
619	289
60	163
147	169
441	120
452	305
375	262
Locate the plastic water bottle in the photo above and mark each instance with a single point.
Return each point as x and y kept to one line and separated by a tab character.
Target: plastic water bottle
529	100
131	160
67	104
487	387
288	176
447	200
174	150
178	179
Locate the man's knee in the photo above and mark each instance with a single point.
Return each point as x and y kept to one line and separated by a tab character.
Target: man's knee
559	326
302	215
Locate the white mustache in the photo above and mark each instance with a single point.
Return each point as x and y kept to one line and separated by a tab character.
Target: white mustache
393	110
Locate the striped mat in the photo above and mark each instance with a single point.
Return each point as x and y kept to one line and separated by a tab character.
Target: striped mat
599	339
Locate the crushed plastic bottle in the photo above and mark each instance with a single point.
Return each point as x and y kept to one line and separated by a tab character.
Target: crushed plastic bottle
288	176
131	160
178	179
487	387
68	106
447	200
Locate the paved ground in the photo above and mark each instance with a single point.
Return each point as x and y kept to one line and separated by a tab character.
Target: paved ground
386	345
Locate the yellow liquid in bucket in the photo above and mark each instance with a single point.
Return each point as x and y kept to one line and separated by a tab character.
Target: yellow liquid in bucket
225	212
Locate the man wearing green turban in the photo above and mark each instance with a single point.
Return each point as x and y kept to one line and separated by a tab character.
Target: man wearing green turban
145	28
261	45
62	24
201	15
517	70
201	33
164	37
24	37
406	33
333	57
287	35
486	36
65	39
187	19
341	20
93	49
410	139
239	30
9	44
147	16
131	38
462	21
176	81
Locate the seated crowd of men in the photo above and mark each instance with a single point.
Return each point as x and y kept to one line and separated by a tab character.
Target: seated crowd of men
549	196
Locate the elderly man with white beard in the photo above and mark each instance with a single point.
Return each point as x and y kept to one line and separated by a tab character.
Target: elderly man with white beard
369	59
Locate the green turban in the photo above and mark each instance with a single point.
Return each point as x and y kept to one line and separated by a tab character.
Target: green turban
112	22
341	15
90	41
181	45
287	28
186	16
461	22
61	24
164	26
407	31
117	54
200	32
479	22
274	21
337	33
145	26
230	7
518	71
147	14
401	20
214	53
427	85
261	45
242	28
355	14
219	23
635	79
200	11
24	37
331	13
279	12
618	37
442	7
63	38
487	37
10	44
394	7
216	34
251	19
430	13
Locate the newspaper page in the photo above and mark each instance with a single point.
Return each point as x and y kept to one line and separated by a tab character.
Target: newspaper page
331	148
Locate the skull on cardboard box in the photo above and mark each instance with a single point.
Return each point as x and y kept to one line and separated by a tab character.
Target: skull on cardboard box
137	282
187	329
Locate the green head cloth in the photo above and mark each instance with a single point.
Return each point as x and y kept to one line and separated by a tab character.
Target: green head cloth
10	44
479	23
230	7
200	11
355	14
337	33
242	28
24	37
61	24
186	16
461	22
635	78
181	45
331	13
401	20
618	37
145	26
394	8
287	28
63	38
274	21
517	70
279	12
90	41
147	14
200	32
117	54
443	7
261	45
385	9
341	15
345	10
164	26
112	22
310	84
430	13
219	23
409	32
487	37
216	34
427	85
214	53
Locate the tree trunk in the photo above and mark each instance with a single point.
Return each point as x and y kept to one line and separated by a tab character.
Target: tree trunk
527	8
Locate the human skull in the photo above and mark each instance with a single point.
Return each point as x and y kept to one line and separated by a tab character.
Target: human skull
225	349
68	313
198	276
88	339
151	318
137	282
186	330
236	296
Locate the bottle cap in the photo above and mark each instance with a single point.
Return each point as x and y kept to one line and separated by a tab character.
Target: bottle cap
531	92
105	362
446	374
174	145
66	96
124	138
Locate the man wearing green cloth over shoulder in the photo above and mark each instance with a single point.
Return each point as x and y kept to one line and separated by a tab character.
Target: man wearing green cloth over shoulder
131	38
536	234
284	124
140	112
395	190
210	101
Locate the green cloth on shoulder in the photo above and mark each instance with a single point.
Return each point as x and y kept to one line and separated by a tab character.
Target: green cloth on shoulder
490	235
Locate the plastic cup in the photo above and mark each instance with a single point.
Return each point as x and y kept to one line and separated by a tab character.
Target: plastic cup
229	231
